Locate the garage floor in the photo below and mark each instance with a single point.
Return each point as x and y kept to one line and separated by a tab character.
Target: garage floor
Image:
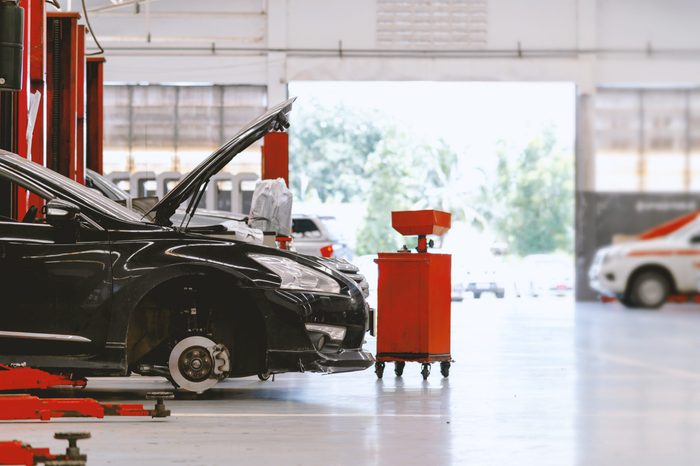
536	382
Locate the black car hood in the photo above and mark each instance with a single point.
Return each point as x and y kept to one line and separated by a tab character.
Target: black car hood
274	119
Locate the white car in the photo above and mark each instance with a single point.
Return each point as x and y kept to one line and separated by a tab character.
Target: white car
644	273
545	275
318	236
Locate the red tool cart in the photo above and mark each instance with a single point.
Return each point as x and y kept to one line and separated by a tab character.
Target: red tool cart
413	315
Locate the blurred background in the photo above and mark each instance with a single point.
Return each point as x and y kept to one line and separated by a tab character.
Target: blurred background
536	124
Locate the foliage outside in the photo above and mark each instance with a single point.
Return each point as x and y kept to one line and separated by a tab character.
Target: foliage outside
530	203
339	154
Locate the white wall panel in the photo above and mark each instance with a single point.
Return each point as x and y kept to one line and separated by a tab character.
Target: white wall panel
633	23
323	23
533	23
593	42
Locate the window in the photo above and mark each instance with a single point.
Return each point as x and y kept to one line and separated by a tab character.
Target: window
305	228
163	128
645	140
224	188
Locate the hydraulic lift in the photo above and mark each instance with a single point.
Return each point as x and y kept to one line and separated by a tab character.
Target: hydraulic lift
18	453
275	164
20	406
50	96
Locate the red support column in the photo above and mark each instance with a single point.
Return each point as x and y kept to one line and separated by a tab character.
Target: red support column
80	107
275	156
94	113
62	91
37	77
21	116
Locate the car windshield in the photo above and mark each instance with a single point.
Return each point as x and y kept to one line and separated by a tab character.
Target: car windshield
96	200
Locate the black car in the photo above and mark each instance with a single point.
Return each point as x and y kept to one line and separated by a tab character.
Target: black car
89	287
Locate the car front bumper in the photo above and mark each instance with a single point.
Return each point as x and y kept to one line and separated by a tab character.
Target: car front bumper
291	348
317	361
484	288
605	282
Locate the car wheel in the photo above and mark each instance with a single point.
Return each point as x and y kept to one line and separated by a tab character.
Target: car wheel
650	290
501	295
197	363
477	295
265	376
627	302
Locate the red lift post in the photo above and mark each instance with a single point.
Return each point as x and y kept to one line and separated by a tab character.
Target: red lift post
94	113
275	157
37	83
413	315
275	164
79	163
62	93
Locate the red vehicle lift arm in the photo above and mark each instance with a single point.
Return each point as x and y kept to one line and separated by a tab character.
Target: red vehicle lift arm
27	378
15	452
16	407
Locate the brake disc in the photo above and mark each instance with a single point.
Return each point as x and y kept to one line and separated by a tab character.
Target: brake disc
197	363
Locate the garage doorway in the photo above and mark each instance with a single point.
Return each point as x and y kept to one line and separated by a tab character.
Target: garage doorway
499	156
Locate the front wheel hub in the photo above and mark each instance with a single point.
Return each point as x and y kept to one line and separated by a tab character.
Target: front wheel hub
197	363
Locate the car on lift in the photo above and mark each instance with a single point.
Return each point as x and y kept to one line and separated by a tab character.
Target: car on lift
644	273
235	226
91	288
231	225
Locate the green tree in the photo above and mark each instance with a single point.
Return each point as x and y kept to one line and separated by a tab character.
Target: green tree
530	202
393	187
340	154
329	147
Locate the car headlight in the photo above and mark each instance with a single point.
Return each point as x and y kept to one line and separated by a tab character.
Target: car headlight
610	256
295	276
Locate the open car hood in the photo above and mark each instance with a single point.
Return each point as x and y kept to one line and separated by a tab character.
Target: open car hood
274	119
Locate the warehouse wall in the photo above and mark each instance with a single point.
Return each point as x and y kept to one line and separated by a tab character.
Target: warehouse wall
585	41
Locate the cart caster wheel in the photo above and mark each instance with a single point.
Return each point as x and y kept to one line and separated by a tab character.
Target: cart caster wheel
265	376
398	368
379	369
445	368
425	371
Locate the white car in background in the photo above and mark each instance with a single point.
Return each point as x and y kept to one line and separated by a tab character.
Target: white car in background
317	236
644	273
545	275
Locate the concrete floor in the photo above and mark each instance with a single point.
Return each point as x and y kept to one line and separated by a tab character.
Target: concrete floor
536	382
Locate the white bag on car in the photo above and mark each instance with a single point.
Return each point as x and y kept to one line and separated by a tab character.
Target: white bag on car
271	207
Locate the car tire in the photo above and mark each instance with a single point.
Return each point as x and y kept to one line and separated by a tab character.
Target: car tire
627	302
501	295
477	295
649	290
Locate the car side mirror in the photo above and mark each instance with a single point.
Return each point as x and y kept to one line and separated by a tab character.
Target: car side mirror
58	211
63	216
